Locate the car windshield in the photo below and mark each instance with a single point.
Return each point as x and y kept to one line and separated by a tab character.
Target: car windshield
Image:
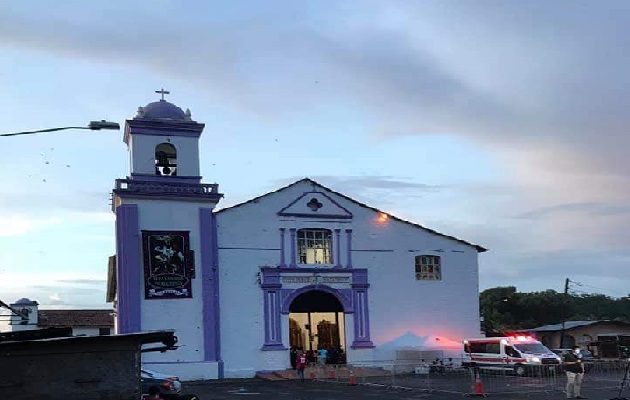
531	348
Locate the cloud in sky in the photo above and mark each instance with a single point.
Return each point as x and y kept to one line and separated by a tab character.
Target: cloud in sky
548	58
547	78
54	289
540	85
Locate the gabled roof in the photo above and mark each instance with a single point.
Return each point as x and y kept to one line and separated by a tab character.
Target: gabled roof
75	318
572	325
312	182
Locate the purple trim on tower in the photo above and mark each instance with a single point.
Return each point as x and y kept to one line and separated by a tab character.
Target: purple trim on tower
349	255
216	287
180	190
209	285
338	247
282	262
159	178
293	263
129	268
161	127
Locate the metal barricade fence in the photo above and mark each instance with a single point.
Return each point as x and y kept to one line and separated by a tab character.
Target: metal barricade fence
414	375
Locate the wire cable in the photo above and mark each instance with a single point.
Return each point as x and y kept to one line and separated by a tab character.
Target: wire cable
43	131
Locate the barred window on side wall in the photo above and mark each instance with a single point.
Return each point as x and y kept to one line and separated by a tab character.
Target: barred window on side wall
428	268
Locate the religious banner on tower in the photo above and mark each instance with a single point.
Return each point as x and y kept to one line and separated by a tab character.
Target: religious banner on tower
168	265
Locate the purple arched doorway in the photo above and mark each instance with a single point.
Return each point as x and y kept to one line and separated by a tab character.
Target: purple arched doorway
317	321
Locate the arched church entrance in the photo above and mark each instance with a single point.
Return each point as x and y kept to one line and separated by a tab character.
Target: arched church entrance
317	321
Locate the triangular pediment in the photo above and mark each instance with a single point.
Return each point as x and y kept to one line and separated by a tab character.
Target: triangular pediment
315	204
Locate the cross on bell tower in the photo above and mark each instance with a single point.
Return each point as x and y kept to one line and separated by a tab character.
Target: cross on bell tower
162	92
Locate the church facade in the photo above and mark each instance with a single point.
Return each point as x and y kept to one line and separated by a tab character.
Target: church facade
304	266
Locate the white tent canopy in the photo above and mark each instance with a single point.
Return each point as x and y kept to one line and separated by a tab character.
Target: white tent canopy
432	346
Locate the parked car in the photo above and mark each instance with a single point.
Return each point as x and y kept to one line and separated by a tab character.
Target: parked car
586	355
170	386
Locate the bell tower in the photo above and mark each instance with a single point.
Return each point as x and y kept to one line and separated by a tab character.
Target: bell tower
163	141
164	274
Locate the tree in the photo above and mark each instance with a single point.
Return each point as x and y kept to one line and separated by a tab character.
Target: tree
504	309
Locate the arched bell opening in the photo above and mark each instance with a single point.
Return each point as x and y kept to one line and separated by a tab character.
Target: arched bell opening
165	160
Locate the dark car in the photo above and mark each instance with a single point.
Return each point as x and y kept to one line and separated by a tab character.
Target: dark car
170	386
585	355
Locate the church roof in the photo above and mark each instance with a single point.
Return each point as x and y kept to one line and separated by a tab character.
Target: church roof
310	181
75	318
568	325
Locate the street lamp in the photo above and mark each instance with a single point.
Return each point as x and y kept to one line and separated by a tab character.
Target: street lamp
93	125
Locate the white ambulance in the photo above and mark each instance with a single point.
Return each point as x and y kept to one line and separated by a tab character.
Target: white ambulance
521	354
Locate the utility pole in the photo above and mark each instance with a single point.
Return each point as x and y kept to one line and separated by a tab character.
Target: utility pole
564	307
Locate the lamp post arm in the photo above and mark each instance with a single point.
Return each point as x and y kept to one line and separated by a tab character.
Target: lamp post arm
93	125
43	131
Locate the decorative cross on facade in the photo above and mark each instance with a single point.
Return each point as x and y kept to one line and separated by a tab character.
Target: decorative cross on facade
162	92
314	205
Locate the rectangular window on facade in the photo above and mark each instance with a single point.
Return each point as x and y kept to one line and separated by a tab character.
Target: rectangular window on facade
103	331
314	246
428	268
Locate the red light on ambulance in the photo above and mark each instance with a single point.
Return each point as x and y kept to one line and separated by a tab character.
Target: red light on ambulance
521	338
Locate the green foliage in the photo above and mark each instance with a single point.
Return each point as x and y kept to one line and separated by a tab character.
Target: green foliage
505	309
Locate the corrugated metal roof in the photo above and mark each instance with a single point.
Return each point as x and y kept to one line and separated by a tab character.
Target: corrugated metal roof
567	325
308	180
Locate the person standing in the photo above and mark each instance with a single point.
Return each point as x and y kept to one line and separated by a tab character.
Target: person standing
300	364
293	356
574	369
323	354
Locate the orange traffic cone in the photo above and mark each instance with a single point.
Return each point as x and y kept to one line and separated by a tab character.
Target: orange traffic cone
352	380
478	389
311	375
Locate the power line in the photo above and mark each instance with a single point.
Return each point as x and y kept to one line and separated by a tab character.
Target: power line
596	288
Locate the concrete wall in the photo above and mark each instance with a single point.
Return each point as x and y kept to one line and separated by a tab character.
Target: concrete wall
249	238
69	370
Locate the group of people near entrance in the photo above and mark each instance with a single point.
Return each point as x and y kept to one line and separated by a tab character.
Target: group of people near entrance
300	358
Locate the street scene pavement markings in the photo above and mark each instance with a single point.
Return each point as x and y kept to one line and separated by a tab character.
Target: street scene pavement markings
241	391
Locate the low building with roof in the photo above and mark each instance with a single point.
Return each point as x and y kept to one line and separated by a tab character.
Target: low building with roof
583	333
84	322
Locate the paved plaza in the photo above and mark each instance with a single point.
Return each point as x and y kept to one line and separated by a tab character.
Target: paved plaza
317	390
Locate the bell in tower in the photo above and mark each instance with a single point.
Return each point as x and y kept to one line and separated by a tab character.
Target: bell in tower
165	160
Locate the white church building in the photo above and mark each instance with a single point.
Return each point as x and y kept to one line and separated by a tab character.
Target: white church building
303	266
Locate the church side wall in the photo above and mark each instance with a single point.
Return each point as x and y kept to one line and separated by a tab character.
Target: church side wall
398	302
249	238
